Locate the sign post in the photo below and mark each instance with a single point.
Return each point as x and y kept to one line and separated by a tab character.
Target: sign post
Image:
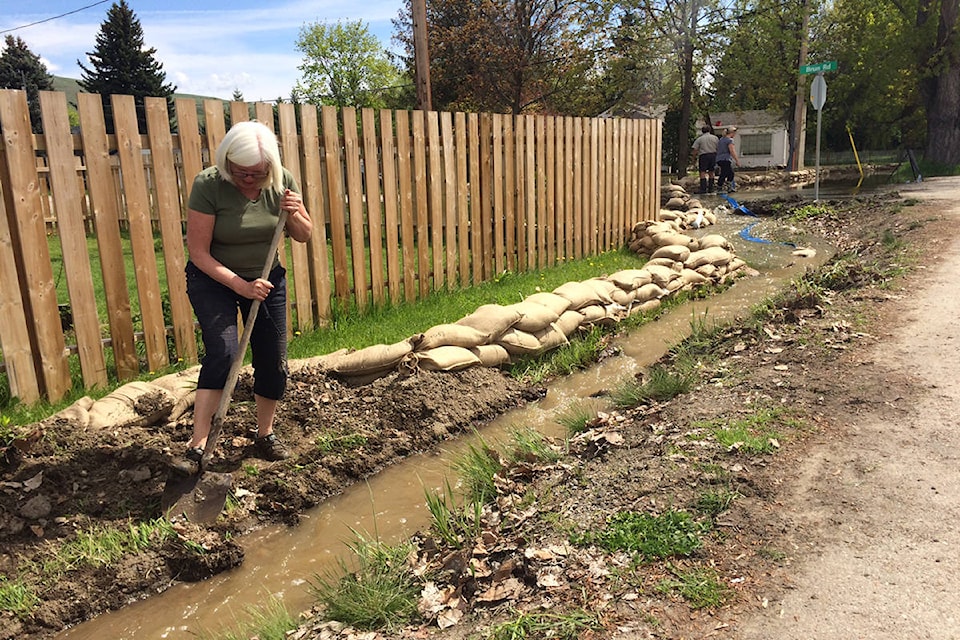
818	96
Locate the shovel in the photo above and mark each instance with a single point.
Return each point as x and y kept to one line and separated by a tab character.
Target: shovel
200	497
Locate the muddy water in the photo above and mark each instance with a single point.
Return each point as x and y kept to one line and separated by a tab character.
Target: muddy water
281	562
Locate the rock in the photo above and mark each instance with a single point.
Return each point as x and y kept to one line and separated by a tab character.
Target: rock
36	508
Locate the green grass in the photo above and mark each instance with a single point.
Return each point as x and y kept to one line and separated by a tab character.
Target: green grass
16	597
563	626
269	621
700	587
581	351
101	546
713	503
661	383
757	433
476	468
576	416
529	445
672	533
381	593
329	443
454	525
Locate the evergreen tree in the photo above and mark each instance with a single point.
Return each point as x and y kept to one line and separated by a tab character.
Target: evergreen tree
123	65
20	68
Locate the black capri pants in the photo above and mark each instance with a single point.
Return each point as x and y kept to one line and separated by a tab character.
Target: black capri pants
216	306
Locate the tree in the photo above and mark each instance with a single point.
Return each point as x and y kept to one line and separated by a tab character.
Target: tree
20	68
344	65
123	65
505	55
939	65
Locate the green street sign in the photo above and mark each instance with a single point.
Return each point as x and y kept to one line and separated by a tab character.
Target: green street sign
818	68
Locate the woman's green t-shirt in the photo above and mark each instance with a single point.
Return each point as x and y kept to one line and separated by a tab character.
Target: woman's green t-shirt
243	228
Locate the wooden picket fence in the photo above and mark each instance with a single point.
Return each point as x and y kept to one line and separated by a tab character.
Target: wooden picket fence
413	202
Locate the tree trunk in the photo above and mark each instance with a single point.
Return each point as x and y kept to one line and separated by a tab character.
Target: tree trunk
686	97
942	92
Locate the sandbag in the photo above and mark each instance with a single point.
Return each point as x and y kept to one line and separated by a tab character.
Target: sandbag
714	255
665	262
377	358
674	203
183	387
630	279
649	292
579	294
491	355
446	359
593	313
660	274
674	252
691	277
533	317
714	240
623	298
518	342
664	239
557	304
569	322
135	404
490	319
551	338
453	335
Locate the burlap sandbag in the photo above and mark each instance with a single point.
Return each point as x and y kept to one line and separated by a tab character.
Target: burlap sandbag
665	239
370	360
649	305
714	240
453	335
674	203
322	361
490	319
533	317
630	279
551	338
492	355
649	292
674	252
183	387
691	277
660	274
135	404
714	255
557	304
579	294
593	313
623	298
569	322
446	359
604	287
518	342
708	270
665	262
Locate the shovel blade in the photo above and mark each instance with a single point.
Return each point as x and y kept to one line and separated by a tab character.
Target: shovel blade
199	498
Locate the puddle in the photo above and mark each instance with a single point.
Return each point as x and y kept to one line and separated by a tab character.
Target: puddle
282	561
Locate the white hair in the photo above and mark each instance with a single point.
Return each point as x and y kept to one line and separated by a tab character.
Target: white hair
248	144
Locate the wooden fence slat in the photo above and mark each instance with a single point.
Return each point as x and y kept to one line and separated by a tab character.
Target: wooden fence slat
541	154
263	112
106	214
450	196
358	245
214	125
530	190
486	194
30	242
476	218
435	196
170	215
14	332
290	147
239	112
559	179
316	205
509	193
519	195
462	194
73	238
420	202
388	155
568	188
338	220
405	180
496	155
137	202
550	169
374	217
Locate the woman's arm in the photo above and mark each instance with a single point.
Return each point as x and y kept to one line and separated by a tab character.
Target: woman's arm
299	225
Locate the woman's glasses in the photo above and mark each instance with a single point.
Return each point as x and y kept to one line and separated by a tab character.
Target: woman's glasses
240	174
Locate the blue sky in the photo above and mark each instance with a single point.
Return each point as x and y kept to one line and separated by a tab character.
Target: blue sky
207	47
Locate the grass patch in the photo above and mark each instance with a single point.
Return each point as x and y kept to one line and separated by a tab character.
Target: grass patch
756	433
581	351
453	525
672	533
701	588
329	443
16	597
476	469
101	546
564	626
661	383
269	621
529	445
381	593
576	416
713	503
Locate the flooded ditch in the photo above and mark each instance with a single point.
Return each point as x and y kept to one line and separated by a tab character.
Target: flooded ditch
281	561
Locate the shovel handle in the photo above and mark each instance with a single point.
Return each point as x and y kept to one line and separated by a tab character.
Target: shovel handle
237	363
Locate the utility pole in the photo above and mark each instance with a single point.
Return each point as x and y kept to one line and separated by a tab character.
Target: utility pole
800	108
421	55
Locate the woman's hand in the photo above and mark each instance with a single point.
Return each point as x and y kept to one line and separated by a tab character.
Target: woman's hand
299	225
257	289
291	201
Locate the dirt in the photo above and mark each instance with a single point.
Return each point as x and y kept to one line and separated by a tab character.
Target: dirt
842	530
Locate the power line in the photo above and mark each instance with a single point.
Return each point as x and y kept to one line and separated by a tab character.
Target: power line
62	15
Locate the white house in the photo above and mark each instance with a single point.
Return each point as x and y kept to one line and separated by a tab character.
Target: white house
761	138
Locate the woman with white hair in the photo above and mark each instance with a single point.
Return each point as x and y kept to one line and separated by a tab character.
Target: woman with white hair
233	209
